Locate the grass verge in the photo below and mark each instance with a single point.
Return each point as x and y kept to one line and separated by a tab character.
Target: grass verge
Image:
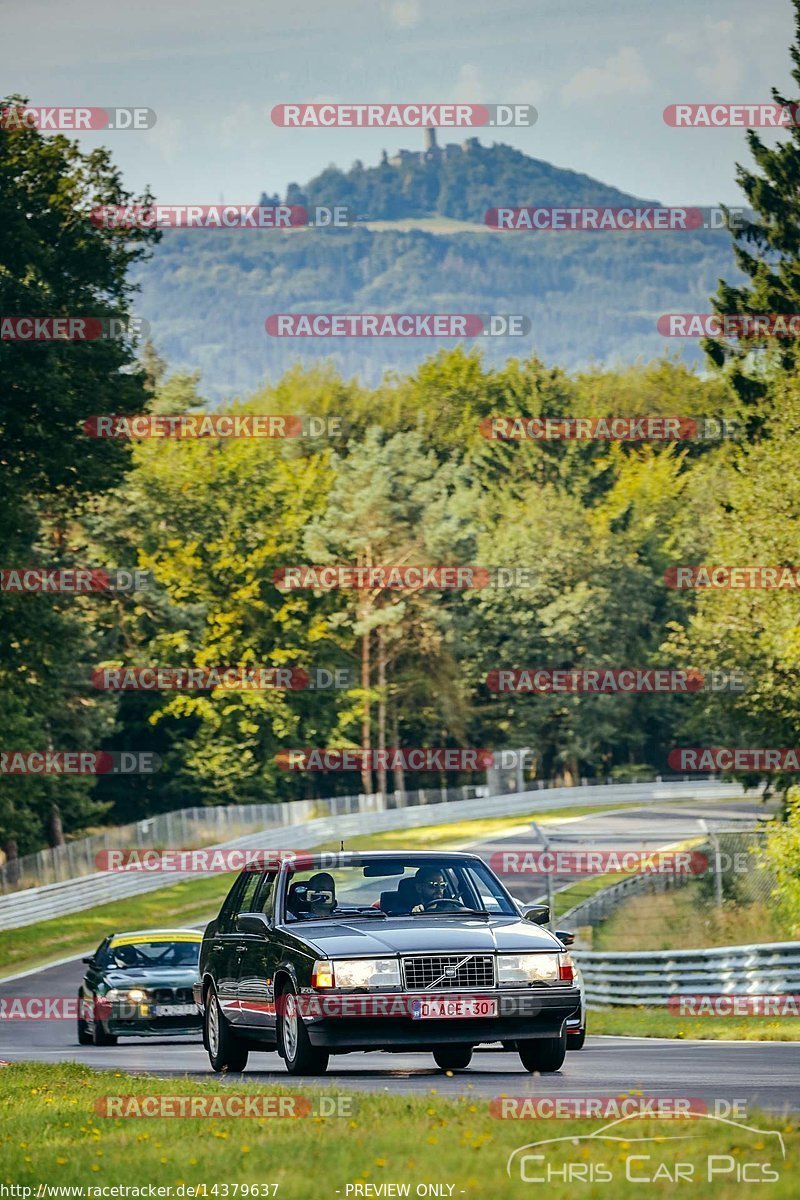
656	1022
52	1137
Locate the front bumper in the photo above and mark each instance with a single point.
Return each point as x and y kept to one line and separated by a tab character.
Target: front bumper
521	1016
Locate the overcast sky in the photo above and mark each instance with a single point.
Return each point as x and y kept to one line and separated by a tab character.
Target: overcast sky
599	77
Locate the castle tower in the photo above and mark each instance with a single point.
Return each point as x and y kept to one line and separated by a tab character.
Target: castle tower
430	143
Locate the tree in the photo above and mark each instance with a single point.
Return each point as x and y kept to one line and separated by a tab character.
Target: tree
55	263
767	250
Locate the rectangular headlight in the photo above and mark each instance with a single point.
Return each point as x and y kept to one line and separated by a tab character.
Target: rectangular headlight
366	973
525	969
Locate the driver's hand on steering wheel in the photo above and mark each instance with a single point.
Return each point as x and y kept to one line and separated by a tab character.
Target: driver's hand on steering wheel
418	908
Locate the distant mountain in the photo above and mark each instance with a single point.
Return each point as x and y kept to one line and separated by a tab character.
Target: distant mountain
591	297
458	181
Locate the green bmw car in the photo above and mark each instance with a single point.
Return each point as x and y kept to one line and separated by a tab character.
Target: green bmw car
139	984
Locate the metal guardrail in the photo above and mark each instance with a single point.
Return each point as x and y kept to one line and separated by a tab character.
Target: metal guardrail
651	977
75	895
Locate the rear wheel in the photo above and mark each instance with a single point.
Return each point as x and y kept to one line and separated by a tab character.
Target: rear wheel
452	1058
294	1044
543	1054
225	1051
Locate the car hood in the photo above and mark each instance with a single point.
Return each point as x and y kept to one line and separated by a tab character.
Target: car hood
418	935
151	977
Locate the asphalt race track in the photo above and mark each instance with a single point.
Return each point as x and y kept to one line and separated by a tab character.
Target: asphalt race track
763	1074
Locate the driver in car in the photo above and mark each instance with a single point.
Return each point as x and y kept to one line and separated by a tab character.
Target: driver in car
321	894
431	885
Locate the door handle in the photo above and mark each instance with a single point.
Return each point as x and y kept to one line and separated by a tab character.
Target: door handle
217	947
240	949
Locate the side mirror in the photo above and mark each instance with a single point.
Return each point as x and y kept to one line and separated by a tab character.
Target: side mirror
567	938
538	914
253	922
88	959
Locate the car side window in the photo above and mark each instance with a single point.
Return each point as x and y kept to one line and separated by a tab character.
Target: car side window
232	905
245	901
264	900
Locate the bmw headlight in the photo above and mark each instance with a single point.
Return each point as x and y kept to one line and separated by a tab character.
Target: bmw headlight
132	995
366	973
522	970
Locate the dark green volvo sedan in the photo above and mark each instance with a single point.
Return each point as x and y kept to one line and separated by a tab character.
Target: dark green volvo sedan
140	984
396	951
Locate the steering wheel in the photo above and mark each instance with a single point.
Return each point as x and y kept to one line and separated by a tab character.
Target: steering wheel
443	904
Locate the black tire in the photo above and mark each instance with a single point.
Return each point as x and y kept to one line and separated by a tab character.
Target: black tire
294	1045
576	1040
452	1058
84	1037
543	1055
225	1051
102	1037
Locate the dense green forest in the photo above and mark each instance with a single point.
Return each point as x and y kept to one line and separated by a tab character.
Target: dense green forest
409	478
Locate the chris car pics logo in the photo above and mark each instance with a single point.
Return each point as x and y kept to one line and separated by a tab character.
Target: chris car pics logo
671	1154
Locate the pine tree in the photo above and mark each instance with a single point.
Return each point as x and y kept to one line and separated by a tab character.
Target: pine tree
767	249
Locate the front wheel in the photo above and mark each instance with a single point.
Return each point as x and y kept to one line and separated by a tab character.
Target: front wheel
84	1037
294	1044
452	1058
101	1035
543	1055
225	1051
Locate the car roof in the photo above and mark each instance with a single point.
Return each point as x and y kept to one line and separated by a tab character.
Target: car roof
144	934
355	858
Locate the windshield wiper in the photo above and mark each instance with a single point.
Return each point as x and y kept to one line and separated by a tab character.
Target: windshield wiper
454	912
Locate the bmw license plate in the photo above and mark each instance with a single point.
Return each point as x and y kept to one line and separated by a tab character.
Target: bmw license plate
175	1010
458	1006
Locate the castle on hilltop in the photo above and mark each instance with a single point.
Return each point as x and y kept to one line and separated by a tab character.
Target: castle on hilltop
432	152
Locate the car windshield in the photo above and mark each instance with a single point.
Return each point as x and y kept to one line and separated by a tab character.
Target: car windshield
160	952
396	887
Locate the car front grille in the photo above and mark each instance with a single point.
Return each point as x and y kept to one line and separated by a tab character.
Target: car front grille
442	971
165	995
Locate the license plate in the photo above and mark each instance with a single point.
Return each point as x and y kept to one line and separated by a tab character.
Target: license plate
446	1010
175	1010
